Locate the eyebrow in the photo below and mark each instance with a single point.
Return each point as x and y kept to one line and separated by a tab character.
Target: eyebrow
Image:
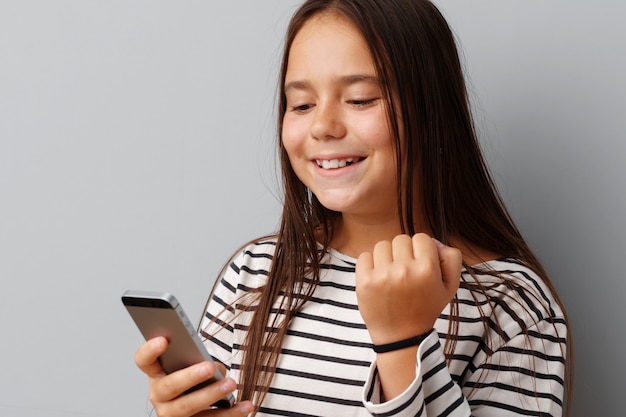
345	80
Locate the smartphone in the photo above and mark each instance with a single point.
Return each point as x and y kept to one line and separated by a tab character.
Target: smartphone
160	314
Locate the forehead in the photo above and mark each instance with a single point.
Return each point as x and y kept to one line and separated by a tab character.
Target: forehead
329	42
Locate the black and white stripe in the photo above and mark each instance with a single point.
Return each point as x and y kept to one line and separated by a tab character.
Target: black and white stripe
326	366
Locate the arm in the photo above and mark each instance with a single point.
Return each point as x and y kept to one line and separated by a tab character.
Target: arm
432	392
523	377
402	287
516	371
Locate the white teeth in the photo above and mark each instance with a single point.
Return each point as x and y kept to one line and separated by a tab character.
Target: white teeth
334	163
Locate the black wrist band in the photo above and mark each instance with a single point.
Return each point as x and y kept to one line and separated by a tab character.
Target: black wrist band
401	344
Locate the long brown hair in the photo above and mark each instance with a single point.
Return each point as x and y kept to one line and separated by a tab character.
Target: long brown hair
442	174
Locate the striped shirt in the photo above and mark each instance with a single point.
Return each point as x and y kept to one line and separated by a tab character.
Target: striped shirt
327	366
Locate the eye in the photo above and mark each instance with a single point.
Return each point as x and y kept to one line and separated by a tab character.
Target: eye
301	108
362	103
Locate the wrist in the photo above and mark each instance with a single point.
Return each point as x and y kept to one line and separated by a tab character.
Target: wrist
402	344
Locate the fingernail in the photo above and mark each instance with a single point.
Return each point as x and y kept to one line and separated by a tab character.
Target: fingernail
227	385
438	243
245	407
157	343
203	370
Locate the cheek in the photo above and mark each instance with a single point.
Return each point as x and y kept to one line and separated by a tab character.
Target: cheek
375	131
292	137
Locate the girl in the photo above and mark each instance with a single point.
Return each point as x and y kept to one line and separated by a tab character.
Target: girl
356	307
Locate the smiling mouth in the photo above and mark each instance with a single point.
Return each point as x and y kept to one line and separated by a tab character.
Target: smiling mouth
336	163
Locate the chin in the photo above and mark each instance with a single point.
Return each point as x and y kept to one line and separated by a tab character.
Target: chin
333	205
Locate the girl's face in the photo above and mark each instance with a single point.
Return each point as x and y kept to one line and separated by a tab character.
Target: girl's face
335	128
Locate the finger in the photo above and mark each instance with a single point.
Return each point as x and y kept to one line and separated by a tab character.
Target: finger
243	408
423	247
238	410
382	254
200	401
402	248
176	383
147	356
364	264
451	261
427	263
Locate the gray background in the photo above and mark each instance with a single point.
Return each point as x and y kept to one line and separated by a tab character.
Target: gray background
136	151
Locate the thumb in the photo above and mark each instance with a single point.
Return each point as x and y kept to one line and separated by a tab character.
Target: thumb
147	356
451	263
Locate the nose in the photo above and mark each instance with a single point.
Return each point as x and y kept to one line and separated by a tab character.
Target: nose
328	122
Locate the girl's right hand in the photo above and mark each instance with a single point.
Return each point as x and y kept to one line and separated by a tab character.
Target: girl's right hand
167	391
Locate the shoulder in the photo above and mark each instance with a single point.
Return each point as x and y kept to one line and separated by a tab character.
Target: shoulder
512	293
251	263
258	252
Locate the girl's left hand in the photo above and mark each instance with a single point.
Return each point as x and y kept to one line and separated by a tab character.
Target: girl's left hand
403	286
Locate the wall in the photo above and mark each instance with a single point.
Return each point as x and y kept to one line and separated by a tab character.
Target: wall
550	100
136	151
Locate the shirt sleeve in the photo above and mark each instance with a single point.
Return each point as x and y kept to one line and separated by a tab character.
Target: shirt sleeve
524	376
216	328
431	393
226	310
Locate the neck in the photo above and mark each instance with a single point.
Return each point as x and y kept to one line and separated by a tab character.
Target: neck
354	235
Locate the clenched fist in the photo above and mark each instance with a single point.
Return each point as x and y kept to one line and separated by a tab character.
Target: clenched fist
402	286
